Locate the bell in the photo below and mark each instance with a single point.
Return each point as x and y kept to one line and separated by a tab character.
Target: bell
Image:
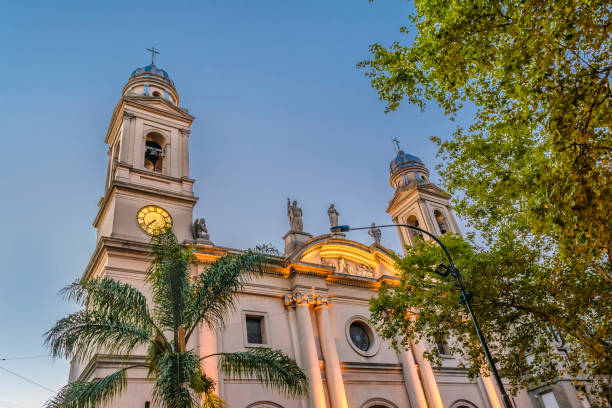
152	156
153	152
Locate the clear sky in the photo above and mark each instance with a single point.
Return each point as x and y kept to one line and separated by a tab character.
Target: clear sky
280	108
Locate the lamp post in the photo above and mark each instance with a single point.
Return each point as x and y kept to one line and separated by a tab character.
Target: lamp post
465	298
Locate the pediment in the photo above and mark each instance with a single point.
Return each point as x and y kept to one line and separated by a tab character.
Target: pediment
159	105
433	189
348	257
409	192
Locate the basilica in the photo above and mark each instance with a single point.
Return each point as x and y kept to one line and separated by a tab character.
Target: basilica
311	303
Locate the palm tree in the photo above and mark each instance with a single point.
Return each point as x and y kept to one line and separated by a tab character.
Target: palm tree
116	318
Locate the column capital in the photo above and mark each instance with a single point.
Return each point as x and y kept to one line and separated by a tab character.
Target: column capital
128	115
289	301
321	301
184	131
300	299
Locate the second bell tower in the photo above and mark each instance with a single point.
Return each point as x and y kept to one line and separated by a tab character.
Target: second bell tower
147	183
417	201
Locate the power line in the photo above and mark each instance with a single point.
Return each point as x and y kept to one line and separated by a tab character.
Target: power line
28	380
23	358
10	405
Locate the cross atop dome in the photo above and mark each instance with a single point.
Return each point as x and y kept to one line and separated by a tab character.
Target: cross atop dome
396	144
153	51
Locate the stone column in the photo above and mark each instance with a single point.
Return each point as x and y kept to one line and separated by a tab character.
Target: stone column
333	373
491	389
411	379
126	128
185	152
310	360
294	337
208	346
429	379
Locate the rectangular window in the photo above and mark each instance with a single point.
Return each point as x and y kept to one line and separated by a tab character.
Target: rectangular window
443	349
254	329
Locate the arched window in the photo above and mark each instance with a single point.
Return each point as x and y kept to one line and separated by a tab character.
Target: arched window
441	220
264	404
463	404
378	403
412	220
154	154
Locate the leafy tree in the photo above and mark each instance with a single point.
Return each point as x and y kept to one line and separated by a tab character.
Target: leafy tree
537	156
532	172
536	321
116	318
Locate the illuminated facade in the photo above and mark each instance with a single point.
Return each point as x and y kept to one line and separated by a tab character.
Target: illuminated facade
312	302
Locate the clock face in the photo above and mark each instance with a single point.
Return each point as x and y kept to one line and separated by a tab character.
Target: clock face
154	219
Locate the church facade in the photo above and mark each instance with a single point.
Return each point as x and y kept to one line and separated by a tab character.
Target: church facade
312	302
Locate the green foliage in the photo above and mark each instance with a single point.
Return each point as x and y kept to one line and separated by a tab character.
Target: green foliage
116	319
527	310
88	394
81	334
271	367
214	290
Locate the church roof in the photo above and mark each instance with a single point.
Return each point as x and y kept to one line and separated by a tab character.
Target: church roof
151	70
404	160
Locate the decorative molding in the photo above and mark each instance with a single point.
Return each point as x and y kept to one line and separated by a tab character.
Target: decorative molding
306	299
128	115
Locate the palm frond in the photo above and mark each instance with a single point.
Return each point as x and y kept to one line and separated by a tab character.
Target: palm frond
212	400
90	394
215	289
84	333
110	297
271	367
175	372
169	278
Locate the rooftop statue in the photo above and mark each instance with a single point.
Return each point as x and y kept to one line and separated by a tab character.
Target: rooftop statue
375	233
199	230
333	214
295	216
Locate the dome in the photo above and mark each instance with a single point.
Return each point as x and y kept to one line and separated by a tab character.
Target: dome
151	70
404	160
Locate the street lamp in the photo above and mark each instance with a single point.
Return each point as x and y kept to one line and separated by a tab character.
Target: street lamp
464	297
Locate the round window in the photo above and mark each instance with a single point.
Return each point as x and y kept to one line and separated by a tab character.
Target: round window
359	336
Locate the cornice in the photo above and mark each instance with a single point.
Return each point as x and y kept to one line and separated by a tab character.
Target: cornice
137	101
406	194
119	244
277	266
177	112
119	185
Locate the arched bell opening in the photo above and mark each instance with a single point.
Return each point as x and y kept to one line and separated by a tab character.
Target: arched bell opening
412	220
154	155
441	220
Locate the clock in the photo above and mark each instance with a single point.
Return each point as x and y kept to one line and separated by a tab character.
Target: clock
153	219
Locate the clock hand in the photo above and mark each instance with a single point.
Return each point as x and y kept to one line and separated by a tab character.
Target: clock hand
151	222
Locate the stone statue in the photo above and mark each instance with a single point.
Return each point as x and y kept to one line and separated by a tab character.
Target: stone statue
333	214
375	233
199	230
295	216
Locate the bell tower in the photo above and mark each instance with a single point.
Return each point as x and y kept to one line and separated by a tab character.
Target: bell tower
417	201
148	161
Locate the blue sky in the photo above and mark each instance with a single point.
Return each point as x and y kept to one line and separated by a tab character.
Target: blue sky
280	111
